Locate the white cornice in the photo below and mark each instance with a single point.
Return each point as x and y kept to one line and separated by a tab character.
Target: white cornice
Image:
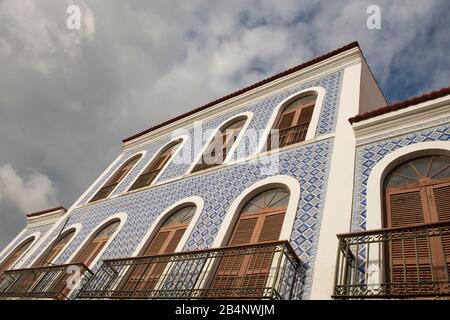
330	65
45	219
424	114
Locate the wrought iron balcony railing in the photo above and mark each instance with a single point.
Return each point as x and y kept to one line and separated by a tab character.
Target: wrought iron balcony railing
52	282
261	271
285	137
407	262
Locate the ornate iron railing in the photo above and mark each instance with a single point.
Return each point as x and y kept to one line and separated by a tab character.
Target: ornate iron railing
402	262
261	271
285	137
52	282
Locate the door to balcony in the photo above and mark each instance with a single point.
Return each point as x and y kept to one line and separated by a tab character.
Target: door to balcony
260	221
417	193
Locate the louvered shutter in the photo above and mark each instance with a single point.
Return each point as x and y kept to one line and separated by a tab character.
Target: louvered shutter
244	231
407	208
305	115
177	235
157	243
441	195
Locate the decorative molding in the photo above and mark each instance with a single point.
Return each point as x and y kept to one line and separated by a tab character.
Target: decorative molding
316	71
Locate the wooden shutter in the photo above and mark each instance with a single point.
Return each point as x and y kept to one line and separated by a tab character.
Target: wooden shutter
405	208
244	231
286	120
305	115
441	195
12	259
271	228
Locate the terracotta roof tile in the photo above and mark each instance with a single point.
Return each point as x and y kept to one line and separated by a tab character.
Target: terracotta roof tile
243	90
401	105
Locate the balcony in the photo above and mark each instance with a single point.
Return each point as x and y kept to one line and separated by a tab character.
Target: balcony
288	136
411	262
42	282
261	271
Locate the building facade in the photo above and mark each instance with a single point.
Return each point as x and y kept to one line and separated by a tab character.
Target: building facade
305	185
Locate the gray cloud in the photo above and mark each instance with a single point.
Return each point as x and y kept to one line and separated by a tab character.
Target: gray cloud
67	97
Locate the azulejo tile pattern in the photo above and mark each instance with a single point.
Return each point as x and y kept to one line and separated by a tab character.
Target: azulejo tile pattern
262	111
367	156
308	164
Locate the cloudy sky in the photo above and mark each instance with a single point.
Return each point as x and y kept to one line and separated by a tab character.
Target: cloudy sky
68	97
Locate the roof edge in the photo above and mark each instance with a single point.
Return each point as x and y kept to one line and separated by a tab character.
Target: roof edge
39	213
401	105
246	89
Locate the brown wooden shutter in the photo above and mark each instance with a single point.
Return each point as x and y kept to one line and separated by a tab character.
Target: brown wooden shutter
286	120
405	208
244	231
157	243
271	228
305	115
12	259
442	199
172	245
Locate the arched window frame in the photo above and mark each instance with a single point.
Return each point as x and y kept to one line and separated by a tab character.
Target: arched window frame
111	194
156	225
232	215
20	261
121	216
182	140
248	115
77	227
312	128
375	193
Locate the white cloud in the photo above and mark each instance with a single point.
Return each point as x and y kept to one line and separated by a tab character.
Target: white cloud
35	192
40	40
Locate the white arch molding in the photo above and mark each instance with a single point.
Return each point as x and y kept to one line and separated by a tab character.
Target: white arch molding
311	133
22	259
375	197
195	200
76	226
121	216
234	210
111	195
248	115
183	139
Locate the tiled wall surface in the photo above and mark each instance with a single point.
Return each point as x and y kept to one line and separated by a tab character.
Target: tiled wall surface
367	156
308	164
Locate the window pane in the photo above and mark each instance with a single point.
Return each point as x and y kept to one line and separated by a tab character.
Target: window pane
180	217
422	165
439	164
396	181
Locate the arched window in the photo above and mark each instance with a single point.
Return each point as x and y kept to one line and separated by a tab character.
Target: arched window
112	183
58	245
418	192
260	220
145	277
16	255
155	167
93	247
217	150
292	125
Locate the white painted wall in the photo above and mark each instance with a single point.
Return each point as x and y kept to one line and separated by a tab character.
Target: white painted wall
338	201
